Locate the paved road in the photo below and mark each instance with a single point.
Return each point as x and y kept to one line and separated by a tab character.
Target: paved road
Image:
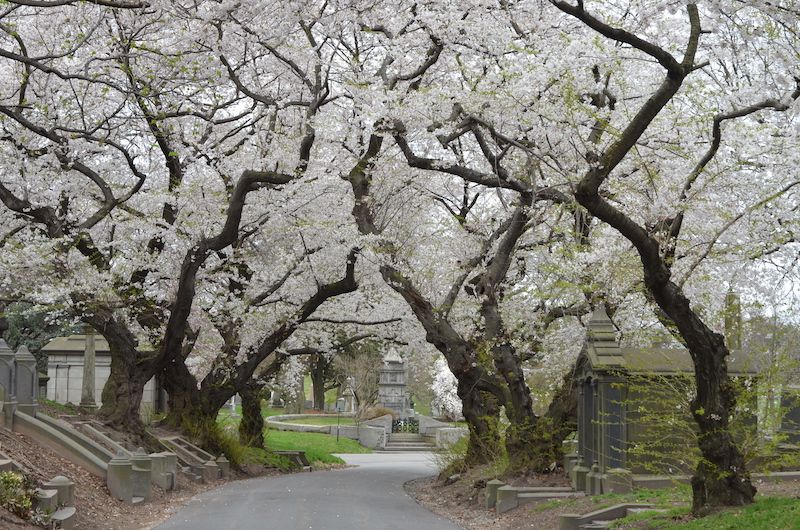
369	496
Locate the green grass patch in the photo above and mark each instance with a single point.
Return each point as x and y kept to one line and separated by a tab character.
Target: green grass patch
65	408
318	447
253	455
323	421
767	513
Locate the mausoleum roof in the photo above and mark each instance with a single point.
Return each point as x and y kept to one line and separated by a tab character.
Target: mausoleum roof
76	345
604	353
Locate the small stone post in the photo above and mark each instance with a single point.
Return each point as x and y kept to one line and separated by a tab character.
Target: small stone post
141	466
87	388
491	492
65	488
118	477
210	471
224	467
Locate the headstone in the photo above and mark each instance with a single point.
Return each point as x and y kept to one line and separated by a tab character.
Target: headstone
87	388
118	477
233	406
7	382
27	381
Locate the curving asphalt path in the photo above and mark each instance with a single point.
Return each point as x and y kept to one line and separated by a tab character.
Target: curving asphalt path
369	496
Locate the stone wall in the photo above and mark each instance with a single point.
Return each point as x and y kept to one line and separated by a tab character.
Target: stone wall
369	434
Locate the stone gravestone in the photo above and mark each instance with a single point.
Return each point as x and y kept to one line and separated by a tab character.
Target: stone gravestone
7	382
27	381
87	384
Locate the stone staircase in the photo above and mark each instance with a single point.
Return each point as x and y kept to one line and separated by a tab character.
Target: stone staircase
602	518
407	442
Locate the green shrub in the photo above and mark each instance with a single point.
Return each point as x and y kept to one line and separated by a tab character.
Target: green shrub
16	493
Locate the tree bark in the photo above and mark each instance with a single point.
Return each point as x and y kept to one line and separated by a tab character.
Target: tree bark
318	371
122	393
559	422
482	411
251	428
521	446
721	478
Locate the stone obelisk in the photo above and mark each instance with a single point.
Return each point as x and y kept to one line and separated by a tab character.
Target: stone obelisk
87	390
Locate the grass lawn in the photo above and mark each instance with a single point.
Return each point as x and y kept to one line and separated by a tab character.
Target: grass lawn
318	447
331	420
768	513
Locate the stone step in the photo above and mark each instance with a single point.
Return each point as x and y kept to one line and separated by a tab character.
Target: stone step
535	496
631	511
6	465
400	444
509	498
417	449
574	521
595	525
64	518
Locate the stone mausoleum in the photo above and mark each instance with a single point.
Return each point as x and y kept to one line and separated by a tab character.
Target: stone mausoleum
392	391
65	369
622	394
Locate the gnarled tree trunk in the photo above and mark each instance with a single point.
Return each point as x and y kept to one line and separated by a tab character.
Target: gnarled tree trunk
251	428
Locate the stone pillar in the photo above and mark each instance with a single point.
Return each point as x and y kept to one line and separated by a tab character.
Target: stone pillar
157	475
210	471
27	381
581	468
7	382
491	492
224	467
171	465
65	488
87	389
118	478
141	467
